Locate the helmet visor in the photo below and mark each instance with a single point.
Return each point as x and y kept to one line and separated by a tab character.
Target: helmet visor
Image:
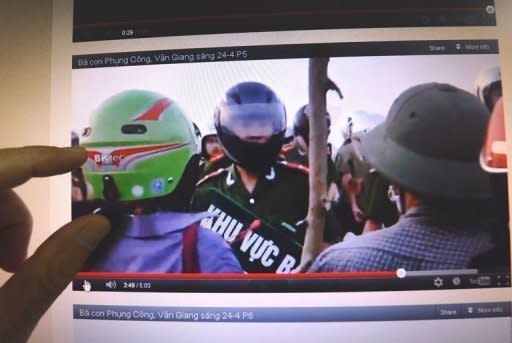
253	120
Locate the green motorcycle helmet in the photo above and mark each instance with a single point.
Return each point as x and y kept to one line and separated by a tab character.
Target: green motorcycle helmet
139	144
430	142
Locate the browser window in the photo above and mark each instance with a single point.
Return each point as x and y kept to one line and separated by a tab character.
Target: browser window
203	155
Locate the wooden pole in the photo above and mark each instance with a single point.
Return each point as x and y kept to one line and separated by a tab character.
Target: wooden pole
318	86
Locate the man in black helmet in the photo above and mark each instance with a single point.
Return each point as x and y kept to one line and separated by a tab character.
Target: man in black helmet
297	151
251	123
428	148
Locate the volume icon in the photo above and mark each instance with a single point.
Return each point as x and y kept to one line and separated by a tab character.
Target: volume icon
110	284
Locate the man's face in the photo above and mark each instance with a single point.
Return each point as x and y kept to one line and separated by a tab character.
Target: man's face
212	146
254	131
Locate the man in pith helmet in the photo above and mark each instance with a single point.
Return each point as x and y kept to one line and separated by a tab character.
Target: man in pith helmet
428	148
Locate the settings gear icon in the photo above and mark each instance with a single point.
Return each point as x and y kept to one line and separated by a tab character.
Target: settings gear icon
438	282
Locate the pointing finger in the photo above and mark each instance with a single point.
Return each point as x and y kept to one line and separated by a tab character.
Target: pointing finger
17	165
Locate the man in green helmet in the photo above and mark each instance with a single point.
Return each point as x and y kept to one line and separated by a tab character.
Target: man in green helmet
428	148
143	163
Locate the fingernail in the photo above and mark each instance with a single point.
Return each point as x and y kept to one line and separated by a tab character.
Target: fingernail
77	151
93	231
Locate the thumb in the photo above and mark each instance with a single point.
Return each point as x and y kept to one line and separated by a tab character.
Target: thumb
27	294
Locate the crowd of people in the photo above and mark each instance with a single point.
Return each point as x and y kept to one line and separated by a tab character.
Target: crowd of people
425	189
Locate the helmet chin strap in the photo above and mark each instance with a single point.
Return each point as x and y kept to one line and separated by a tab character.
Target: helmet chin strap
397	198
113	208
110	190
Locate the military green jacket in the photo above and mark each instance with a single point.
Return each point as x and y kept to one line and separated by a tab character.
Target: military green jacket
215	163
280	196
292	153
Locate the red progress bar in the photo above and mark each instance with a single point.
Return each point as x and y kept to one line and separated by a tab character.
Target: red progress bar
233	276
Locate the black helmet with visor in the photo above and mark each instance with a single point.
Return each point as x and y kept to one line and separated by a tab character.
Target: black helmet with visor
251	123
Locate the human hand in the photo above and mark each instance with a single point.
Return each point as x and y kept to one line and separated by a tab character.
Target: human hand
356	211
38	281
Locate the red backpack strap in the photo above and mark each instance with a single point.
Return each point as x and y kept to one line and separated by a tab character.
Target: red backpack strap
190	257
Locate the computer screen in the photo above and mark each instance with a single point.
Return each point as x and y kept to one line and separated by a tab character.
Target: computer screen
285	170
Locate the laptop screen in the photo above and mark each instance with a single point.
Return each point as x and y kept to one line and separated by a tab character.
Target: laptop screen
286	170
